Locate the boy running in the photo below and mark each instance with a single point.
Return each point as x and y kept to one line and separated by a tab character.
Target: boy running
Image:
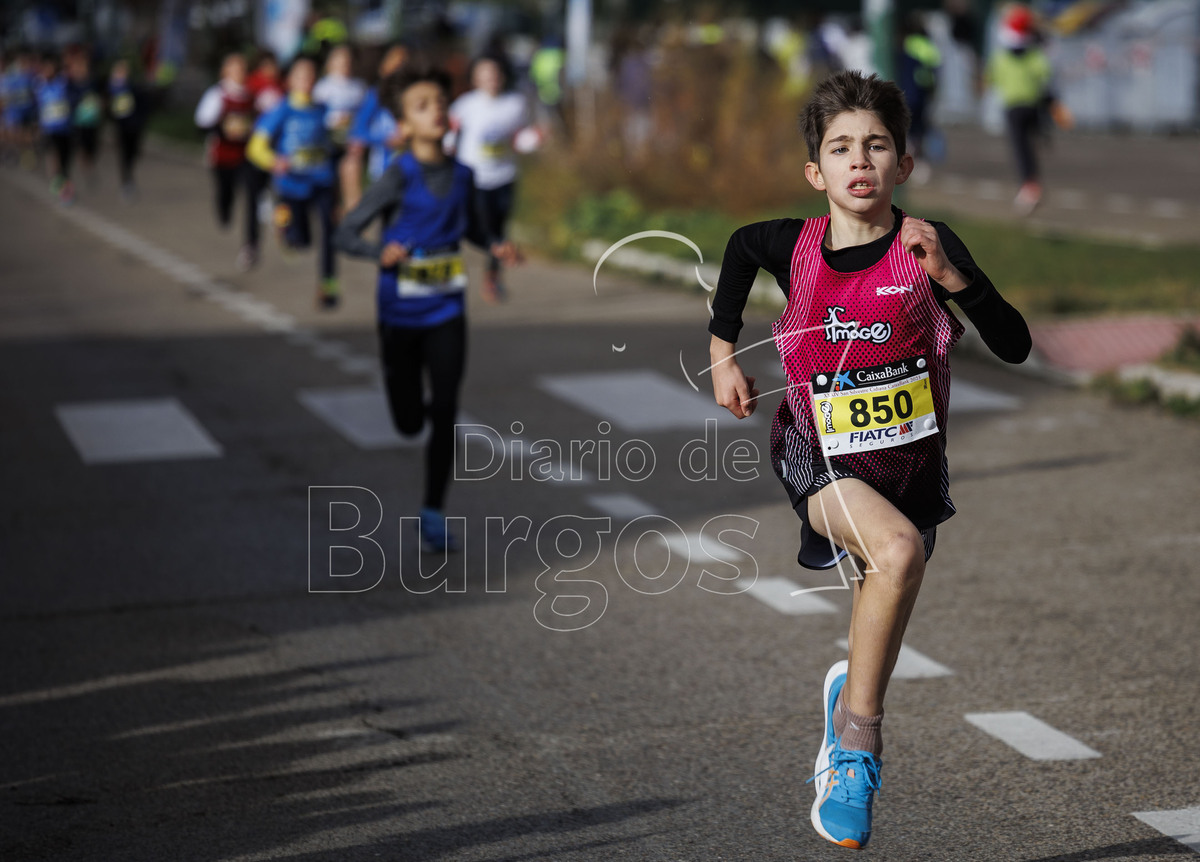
126	106
859	440
427	199
292	143
54	120
488	119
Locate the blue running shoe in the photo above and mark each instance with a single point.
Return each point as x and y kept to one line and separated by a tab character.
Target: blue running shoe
834	680
434	535
842	814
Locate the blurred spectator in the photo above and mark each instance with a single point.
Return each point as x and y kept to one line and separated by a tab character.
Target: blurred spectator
634	80
370	137
546	70
917	75
341	94
1021	74
264	83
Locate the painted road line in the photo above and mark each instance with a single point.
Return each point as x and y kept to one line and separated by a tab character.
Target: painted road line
361	415
255	311
153	429
1182	824
1031	736
990	190
624	507
911	664
777	593
1070	199
1119	204
689	544
1167	208
971	398
637	401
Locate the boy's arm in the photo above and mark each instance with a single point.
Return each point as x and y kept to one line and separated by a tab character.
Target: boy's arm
381	196
765	245
208	112
1001	326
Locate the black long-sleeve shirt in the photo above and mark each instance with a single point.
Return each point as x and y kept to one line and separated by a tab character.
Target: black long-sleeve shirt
769	245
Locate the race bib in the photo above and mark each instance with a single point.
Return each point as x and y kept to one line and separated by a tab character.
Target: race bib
863	409
496	149
55	112
236	126
428	276
122	105
307	158
87	112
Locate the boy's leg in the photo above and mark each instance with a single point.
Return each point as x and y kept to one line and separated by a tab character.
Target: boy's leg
296	234
401	350
223	183
445	355
859	519
324	200
250	182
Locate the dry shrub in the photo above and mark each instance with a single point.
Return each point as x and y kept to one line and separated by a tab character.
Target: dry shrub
723	135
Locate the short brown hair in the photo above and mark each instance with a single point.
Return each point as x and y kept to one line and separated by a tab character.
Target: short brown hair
849	91
395	85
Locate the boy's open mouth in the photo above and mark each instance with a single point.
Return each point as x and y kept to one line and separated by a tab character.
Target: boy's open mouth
861	187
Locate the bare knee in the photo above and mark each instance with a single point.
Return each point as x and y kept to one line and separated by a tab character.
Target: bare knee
900	558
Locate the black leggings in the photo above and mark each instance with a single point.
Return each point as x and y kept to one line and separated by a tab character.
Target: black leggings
129	144
1024	122
63	145
409	354
494	207
298	233
226	181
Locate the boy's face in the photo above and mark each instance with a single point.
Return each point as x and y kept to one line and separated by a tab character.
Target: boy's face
858	166
302	77
424	105
339	62
234	70
488	77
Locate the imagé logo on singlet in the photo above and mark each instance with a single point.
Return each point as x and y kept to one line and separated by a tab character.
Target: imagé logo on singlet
850	330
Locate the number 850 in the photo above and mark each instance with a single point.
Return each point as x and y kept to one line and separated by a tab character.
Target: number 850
883	408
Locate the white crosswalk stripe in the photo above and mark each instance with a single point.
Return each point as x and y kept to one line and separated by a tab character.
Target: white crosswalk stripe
777	593
1031	736
1182	824
622	506
151	429
638	400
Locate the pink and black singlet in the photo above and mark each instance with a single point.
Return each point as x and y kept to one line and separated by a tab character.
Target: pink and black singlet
866	357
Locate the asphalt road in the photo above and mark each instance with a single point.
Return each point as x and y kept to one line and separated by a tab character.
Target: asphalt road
1122	187
183	444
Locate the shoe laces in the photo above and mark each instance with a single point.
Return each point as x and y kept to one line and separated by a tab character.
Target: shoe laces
858	773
